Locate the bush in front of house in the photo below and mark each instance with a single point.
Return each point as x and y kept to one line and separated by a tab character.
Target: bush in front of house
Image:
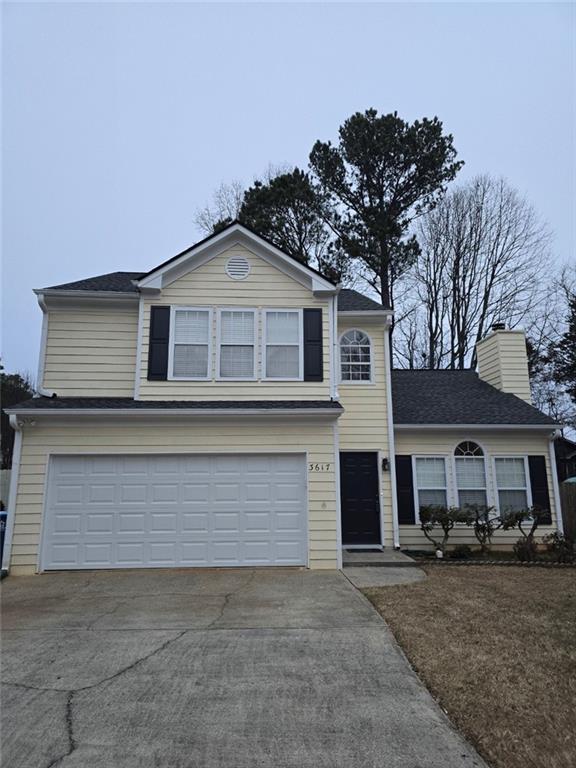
436	523
560	548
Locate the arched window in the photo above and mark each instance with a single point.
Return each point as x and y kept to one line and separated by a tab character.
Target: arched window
355	356
470	474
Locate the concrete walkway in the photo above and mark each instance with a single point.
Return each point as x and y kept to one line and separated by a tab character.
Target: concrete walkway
197	669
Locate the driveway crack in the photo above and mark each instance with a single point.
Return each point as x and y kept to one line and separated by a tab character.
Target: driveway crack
69	732
228	596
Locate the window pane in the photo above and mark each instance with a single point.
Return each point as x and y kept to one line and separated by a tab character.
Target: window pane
191	327
191	360
237	361
510	473
430	473
355	372
470	473
472	498
282	328
432	498
513	501
282	362
237	327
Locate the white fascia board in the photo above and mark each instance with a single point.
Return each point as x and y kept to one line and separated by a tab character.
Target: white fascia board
35	413
227	238
509	427
59	293
367	313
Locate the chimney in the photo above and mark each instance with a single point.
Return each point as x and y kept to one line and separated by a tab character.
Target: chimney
503	361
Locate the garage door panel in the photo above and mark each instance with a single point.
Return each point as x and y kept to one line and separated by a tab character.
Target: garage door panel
162	511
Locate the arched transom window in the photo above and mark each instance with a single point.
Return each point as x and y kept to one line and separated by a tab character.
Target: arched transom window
470	474
355	356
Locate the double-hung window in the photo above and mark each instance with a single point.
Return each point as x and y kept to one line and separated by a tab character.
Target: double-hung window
282	358
512	484
237	344
355	357
470	474
430	477
190	348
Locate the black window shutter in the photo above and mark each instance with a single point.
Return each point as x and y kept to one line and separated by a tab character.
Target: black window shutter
313	363
405	490
539	485
158	343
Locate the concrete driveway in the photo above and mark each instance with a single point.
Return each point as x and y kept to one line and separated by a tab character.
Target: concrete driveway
202	668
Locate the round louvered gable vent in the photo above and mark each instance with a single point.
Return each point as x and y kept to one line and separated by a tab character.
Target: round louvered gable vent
238	267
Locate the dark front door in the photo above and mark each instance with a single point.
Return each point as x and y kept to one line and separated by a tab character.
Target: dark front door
360	498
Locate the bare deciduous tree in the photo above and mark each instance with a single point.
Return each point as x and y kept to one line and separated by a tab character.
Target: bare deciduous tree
484	256
225	206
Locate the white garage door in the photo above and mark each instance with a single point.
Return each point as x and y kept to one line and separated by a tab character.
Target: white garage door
165	511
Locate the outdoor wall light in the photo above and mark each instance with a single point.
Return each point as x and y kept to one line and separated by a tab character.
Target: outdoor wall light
385	464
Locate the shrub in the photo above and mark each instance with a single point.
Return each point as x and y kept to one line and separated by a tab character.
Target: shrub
561	548
525	549
434	519
484	524
461	552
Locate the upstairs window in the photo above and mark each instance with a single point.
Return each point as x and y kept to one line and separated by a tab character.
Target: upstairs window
355	357
470	474
190	343
282	344
511	481
237	359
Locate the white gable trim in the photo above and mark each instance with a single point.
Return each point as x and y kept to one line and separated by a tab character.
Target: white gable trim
236	234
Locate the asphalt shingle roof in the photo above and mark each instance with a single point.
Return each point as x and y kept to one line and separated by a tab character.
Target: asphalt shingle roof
457	397
112	281
116	403
121	282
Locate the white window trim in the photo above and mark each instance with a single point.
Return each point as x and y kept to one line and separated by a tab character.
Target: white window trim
300	314
415	481
349	382
487	468
254	311
497	489
173	310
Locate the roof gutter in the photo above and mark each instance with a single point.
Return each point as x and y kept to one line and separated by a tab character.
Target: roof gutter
224	412
413	427
55	292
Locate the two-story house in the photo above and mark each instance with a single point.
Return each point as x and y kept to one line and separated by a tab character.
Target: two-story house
233	407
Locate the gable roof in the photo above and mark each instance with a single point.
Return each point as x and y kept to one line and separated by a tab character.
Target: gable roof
349	300
234	233
445	397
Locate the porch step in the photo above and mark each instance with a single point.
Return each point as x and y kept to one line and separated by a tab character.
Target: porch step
388	558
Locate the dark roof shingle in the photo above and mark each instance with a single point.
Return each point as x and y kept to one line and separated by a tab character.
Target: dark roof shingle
121	282
350	300
457	397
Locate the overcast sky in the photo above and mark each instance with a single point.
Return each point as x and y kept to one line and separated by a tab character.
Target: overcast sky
119	120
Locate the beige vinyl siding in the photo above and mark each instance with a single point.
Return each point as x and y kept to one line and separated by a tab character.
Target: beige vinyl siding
91	352
209	286
363	426
502	362
443	443
181	436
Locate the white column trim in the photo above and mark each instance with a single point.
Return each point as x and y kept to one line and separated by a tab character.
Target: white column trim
14	479
338	505
391	445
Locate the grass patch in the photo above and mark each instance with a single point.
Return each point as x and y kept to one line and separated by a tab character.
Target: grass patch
497	647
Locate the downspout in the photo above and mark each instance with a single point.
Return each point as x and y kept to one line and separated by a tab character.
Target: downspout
14	478
334	351
42	356
391	446
555	484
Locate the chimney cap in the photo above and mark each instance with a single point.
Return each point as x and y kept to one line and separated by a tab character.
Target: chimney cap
498	326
